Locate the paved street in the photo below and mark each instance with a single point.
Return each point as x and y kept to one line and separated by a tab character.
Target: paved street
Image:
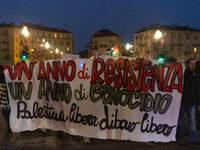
61	141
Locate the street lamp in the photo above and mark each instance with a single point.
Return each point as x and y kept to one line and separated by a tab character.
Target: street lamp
56	52
47	46
128	46
158	35
25	31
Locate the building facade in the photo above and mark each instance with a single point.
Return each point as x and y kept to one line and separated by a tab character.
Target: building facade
176	42
102	40
12	41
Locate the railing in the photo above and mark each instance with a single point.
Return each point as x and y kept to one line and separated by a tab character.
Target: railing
7	57
196	45
180	36
147	52
136	53
6	42
186	52
142	45
5	33
6	49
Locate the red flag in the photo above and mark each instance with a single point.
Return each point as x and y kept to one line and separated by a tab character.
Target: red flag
115	48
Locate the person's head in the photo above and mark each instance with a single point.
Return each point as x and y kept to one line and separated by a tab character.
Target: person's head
190	64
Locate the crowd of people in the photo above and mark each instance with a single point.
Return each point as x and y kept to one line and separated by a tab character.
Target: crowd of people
190	103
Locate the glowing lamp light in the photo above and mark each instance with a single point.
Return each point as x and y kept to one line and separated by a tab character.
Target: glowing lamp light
158	34
25	31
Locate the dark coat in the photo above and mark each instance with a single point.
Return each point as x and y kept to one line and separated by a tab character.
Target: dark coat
191	88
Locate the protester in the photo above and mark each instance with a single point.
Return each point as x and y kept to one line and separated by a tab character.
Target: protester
197	71
190	98
4	101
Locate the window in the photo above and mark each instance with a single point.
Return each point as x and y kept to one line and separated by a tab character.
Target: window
33	40
43	40
49	41
95	47
16	47
16	55
68	36
55	35
58	35
105	45
67	49
101	46
141	50
43	34
171	48
61	35
105	39
55	42
154	48
195	49
49	34
178	48
16	39
61	42
37	33
38	40
68	43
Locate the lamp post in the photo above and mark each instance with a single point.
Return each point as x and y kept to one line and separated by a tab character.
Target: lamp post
56	52
25	48
158	35
47	46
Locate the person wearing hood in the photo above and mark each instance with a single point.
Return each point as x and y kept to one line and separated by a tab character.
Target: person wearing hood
190	100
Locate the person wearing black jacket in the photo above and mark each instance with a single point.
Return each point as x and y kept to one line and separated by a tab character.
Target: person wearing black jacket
4	100
190	99
197	70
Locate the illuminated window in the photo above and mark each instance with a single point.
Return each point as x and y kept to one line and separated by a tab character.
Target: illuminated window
61	36
43	40
195	49
38	40
55	35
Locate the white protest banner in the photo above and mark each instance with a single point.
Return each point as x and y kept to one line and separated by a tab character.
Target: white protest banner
98	54
67	56
120	98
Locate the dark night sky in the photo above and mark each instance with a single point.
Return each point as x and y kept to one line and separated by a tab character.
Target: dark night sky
84	17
